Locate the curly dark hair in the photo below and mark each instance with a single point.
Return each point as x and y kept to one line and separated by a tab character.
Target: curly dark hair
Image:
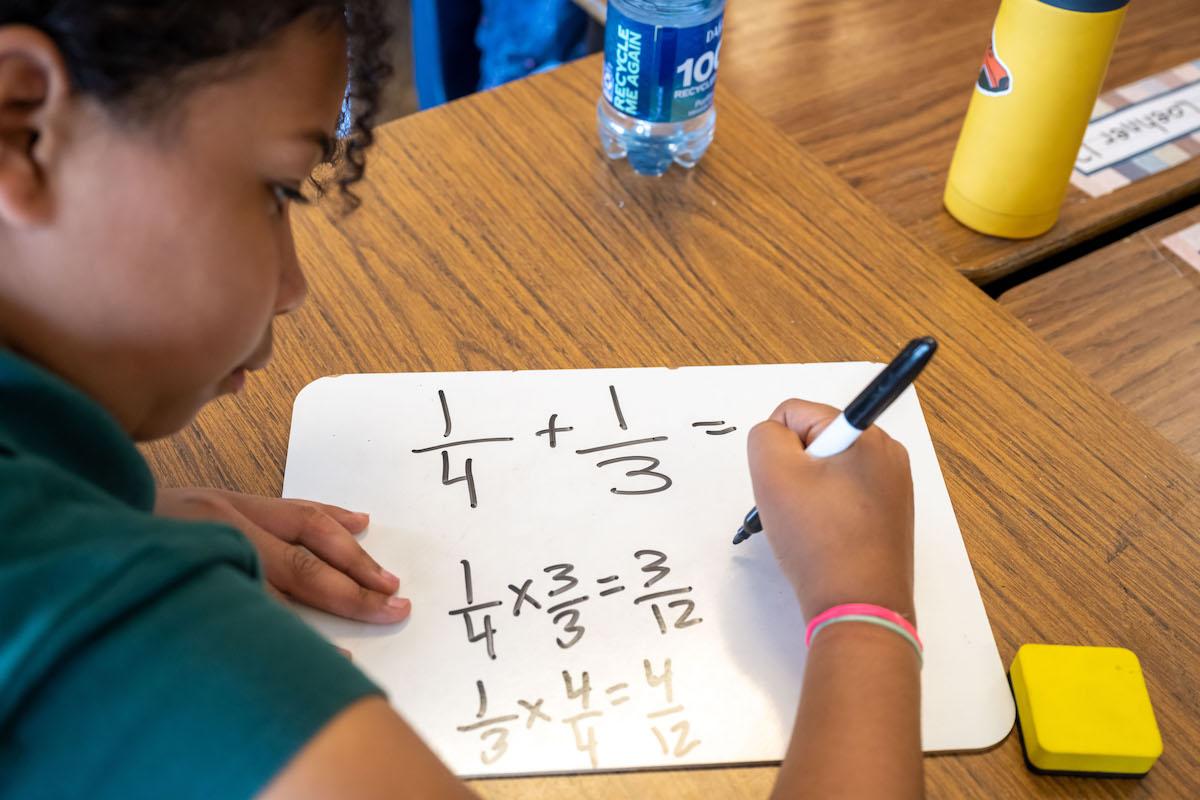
137	55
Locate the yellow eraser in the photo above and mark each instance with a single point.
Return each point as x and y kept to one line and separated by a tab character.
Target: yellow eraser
1084	709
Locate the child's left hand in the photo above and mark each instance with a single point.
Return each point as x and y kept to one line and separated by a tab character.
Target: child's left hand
308	550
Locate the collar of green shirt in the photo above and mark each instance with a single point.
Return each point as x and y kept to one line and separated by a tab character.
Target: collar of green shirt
42	415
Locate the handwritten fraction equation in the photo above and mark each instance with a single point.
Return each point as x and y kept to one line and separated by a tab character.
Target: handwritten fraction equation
581	711
644	480
566	612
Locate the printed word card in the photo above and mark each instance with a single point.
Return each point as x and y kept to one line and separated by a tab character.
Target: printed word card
1140	129
565	538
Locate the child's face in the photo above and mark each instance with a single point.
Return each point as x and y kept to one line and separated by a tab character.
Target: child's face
151	277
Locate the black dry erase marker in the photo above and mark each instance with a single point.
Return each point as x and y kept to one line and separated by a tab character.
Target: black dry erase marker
862	411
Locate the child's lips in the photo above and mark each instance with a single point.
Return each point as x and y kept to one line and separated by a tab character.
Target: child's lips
255	362
258	360
234	381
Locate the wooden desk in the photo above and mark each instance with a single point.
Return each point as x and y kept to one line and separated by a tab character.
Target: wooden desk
1129	316
877	90
489	243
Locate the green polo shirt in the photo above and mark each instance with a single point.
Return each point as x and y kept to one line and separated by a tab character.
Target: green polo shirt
139	657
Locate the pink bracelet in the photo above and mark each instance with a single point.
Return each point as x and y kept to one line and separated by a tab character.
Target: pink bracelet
865	612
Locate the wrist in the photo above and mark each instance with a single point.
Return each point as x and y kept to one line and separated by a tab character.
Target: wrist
863	641
899	601
869	614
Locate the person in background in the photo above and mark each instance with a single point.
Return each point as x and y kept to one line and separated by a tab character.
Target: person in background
517	38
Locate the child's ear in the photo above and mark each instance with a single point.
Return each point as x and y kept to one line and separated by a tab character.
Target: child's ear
34	102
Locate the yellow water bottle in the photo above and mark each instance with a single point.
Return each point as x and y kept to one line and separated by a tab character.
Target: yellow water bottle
1040	78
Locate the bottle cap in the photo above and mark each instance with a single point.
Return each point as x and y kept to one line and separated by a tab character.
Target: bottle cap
1088	6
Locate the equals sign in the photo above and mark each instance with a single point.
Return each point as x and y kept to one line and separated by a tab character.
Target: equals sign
610	590
715	424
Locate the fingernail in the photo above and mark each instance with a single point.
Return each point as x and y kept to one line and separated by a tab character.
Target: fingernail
389	576
399	603
362	515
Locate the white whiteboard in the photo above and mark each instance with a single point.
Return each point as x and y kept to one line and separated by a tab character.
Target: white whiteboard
734	676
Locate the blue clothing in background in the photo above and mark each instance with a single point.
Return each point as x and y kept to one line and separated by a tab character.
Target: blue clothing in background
520	37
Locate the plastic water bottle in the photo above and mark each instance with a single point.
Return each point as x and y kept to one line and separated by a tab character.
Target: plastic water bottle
660	69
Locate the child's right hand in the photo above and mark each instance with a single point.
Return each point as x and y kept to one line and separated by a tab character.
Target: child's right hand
841	527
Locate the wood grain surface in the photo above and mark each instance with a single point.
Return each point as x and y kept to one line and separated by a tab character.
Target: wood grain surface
878	91
1129	316
496	236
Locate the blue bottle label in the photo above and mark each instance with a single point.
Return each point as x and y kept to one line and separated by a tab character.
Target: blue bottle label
658	73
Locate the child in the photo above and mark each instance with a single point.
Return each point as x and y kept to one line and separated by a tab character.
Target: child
149	153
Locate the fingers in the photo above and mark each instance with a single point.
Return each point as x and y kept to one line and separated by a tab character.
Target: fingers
333	543
279	515
306	578
804	418
770	441
791	428
322	529
303	576
353	521
307	549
